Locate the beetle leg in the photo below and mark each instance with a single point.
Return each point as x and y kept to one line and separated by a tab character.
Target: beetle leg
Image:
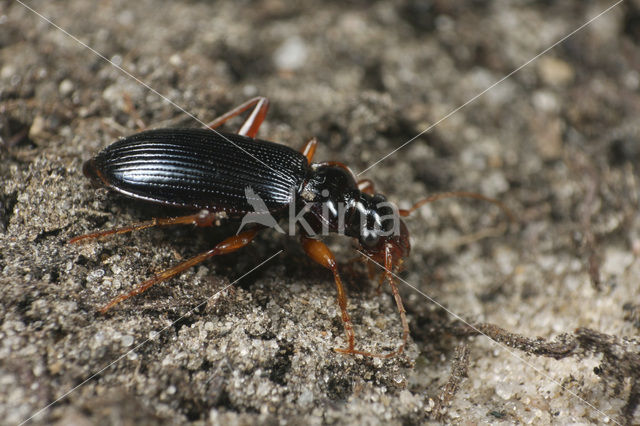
229	245
381	279
202	218
388	266
309	149
366	186
252	123
321	254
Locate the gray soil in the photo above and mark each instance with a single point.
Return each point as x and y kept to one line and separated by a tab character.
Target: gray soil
558	142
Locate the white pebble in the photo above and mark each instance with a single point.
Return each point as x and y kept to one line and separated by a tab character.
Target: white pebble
291	54
176	60
126	340
66	87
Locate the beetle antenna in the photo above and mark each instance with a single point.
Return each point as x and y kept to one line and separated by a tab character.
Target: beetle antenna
458	194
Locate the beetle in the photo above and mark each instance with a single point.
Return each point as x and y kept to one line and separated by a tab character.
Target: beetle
211	174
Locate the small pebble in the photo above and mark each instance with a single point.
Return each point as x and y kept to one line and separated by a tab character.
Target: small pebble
37	127
554	71
66	87
126	340
291	54
176	60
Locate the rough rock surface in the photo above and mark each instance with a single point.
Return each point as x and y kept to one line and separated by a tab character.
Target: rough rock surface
558	142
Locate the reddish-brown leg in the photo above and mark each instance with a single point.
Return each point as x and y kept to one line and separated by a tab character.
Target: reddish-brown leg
203	218
457	194
251	125
227	246
366	186
388	266
309	149
321	254
381	279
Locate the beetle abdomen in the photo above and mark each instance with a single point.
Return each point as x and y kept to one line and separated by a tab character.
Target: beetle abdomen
199	168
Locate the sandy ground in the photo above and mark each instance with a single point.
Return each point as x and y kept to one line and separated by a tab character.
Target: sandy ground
558	142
